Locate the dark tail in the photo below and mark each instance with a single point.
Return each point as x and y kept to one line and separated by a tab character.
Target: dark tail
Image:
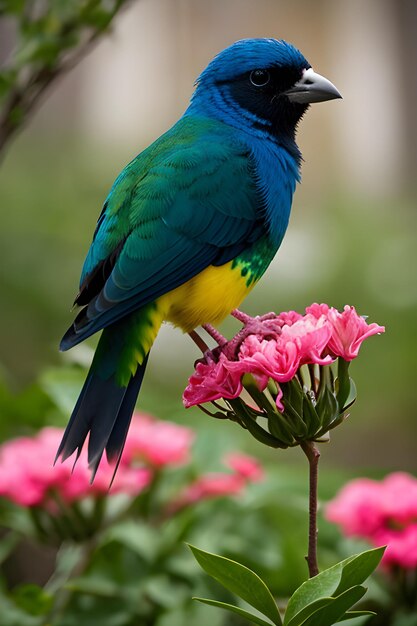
105	406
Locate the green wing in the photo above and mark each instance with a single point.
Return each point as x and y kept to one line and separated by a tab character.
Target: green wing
187	202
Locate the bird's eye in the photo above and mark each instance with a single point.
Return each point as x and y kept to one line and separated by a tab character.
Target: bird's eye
259	78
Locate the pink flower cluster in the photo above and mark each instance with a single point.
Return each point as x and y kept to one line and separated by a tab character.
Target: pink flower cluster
213	485
320	336
28	477
384	513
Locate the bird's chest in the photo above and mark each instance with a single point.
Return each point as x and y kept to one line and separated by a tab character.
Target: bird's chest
211	295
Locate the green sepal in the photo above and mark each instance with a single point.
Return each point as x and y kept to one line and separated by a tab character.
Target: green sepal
279	428
277	425
293	394
235	609
351	396
311	416
327	408
239	580
342	382
249	421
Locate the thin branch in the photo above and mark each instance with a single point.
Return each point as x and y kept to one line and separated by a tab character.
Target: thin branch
25	97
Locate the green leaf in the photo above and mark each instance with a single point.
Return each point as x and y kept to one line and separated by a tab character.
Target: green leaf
33	599
357	569
7	545
309	610
239	580
353	614
330	614
235	609
138	537
62	385
333	581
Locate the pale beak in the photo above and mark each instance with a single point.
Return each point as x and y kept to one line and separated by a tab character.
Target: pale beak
312	88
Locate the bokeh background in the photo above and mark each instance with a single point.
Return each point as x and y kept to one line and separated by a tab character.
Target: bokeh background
352	236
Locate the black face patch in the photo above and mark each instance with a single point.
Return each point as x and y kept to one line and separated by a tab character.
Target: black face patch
261	92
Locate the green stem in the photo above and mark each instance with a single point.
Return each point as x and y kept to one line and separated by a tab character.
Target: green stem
313	455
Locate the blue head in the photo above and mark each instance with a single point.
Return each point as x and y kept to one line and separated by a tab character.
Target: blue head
261	86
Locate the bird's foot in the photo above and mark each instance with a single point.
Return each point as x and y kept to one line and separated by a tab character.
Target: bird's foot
246	319
263	326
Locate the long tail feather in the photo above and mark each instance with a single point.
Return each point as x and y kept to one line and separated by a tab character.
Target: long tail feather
104	410
107	400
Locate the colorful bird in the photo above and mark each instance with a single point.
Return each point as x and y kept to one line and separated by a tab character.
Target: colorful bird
189	226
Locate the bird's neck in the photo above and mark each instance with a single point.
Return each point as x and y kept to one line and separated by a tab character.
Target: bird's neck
277	173
219	106
275	157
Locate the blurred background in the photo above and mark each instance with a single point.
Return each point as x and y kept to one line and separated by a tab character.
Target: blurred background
352	235
351	240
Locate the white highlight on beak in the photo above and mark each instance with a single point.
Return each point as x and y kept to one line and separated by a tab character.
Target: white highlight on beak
312	87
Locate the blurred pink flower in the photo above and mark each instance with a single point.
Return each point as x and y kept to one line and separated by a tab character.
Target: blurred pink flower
382	512
245	466
28	477
216	484
349	329
401	546
157	442
356	508
211	485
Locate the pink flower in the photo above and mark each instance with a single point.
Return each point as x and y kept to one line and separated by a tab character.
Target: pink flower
301	342
215	485
311	335
318	337
210	486
384	513
272	358
349	330
157	442
212	381
401	546
356	508
245	466
28	476
289	318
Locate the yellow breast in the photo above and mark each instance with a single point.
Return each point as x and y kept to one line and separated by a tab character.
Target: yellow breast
207	298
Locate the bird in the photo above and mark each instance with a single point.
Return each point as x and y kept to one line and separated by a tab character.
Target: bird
189	227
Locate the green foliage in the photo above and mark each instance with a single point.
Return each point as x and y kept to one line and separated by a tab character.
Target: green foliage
320	601
239	580
52	37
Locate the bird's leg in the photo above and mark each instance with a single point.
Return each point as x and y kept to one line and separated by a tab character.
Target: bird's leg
199	342
209	355
214	333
